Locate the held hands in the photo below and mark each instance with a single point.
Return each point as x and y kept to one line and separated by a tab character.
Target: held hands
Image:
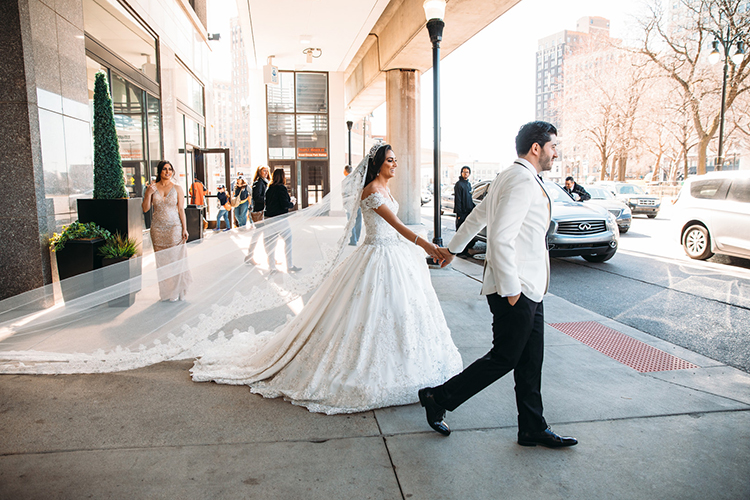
446	257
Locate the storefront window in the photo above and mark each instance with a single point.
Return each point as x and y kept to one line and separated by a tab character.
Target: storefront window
189	90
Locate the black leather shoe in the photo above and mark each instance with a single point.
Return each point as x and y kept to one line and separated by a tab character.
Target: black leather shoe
547	438
435	412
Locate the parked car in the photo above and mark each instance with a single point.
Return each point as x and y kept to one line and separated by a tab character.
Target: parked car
426	196
604	198
634	197
576	229
712	214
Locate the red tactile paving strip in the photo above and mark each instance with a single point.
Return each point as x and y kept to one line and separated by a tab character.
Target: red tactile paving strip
618	346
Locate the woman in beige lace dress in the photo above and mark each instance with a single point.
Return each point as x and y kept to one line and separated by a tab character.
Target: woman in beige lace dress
168	233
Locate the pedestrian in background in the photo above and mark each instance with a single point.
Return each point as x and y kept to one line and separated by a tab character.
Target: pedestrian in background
224	208
571	186
241	203
260	185
357	229
463	203
278	202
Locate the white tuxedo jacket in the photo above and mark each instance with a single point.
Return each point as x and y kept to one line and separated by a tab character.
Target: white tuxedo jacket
516	211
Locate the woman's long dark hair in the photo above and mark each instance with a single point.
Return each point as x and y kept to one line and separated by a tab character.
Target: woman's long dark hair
160	167
375	162
278	176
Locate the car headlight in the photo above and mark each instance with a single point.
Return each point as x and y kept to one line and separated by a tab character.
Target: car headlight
627	211
612	223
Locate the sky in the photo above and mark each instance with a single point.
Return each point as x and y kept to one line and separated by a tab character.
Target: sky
487	84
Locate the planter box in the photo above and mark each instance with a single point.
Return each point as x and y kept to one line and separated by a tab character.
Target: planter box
123	215
194	218
120	274
77	258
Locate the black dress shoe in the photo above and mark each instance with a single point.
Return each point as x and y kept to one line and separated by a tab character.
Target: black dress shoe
547	438
435	412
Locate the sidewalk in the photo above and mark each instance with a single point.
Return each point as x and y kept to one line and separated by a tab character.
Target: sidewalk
153	433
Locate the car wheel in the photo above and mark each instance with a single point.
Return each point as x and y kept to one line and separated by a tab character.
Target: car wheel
697	243
623	231
599	258
651	216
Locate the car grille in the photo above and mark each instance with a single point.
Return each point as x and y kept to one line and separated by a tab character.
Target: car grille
580	227
616	212
651	203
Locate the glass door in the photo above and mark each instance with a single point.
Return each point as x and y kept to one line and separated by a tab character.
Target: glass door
314	182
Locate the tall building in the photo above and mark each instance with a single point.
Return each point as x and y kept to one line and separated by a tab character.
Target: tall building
219	132
550	59
240	124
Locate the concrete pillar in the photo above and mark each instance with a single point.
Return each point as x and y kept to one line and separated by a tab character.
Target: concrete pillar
403	134
24	257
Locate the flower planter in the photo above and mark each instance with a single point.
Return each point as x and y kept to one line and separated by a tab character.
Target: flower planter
79	257
124	216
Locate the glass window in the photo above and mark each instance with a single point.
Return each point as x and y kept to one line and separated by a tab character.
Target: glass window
111	24
312	136
739	191
281	96
189	90
280	136
154	132
710	189
312	93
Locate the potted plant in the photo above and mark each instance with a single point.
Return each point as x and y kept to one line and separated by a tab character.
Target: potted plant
115	250
110	207
77	252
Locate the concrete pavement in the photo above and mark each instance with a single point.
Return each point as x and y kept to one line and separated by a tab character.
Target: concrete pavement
153	433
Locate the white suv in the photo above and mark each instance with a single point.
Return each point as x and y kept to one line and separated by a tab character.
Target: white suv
712	213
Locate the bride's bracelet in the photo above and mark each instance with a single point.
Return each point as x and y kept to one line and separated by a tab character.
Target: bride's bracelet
415	239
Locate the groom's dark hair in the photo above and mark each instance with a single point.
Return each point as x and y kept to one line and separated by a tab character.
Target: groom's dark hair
538	132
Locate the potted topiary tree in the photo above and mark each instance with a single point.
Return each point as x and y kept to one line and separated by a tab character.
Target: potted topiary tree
116	250
77	252
110	207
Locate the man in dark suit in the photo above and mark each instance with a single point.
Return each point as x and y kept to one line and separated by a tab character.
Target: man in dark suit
516	212
463	204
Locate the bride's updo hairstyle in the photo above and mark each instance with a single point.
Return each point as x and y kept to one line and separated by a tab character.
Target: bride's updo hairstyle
374	162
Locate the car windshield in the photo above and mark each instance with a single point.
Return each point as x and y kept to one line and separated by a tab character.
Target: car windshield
556	193
629	189
598	193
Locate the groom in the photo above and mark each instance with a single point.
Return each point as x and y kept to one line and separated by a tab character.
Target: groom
516	211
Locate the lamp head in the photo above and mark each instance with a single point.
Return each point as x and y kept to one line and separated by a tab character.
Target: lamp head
434	9
739	54
714	56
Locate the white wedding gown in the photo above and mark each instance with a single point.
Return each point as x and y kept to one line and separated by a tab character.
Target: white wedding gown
371	336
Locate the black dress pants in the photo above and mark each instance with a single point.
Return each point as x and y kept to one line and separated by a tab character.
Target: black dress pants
518	345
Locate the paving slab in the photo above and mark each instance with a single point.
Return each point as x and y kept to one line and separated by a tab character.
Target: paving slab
685	457
155	406
339	468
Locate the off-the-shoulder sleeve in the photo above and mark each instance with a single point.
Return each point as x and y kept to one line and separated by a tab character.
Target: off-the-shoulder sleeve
374	200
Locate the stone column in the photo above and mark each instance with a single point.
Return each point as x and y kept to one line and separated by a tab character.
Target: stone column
403	134
24	257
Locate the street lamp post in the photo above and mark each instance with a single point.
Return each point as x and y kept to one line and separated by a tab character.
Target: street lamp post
726	42
434	12
349	126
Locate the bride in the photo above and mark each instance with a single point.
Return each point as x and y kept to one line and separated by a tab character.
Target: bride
371	335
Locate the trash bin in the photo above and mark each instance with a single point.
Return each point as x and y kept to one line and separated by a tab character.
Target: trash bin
194	217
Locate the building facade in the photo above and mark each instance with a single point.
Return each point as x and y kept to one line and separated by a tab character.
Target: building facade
154	54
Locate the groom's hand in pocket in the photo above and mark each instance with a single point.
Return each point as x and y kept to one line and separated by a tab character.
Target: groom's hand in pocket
513	299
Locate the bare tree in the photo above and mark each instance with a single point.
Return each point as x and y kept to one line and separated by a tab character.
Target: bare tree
677	46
